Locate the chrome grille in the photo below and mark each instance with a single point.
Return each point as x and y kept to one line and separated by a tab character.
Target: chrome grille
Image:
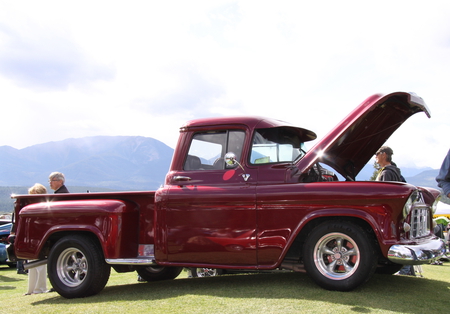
419	222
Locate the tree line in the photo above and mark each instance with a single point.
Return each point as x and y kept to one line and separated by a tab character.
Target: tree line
6	202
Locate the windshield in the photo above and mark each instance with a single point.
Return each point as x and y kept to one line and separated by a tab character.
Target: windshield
276	145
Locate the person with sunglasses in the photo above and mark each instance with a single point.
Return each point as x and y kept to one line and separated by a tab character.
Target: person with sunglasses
388	169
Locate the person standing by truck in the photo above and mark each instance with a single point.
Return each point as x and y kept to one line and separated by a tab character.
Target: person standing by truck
443	178
37	276
56	181
389	170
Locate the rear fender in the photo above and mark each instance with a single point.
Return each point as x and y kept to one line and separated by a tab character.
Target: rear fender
113	222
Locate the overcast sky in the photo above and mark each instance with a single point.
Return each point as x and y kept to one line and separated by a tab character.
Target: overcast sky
85	68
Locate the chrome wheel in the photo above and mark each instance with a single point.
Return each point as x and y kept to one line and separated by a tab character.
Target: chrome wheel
336	256
72	267
206	272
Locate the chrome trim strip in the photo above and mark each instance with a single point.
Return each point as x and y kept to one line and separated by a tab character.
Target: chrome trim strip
131	261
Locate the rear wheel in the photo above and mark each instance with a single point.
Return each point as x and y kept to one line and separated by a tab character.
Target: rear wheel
339	255
155	273
76	267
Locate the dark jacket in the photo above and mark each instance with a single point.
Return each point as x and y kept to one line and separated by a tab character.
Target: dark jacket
390	173
62	189
443	177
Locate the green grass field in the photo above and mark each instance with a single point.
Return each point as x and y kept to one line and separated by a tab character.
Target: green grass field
281	292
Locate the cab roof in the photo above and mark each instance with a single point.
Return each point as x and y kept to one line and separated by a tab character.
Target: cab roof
252	122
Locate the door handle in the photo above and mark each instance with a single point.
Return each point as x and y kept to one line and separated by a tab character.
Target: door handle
181	178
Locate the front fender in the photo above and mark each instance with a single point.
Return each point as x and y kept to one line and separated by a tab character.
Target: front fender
360	215
381	220
113	222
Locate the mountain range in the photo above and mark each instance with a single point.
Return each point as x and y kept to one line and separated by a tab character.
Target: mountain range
113	162
118	163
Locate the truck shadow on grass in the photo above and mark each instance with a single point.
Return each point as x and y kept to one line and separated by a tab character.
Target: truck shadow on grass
392	293
4	280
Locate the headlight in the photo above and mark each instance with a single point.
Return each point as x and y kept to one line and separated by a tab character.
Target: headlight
409	203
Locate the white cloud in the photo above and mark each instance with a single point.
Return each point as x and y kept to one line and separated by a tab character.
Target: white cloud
143	68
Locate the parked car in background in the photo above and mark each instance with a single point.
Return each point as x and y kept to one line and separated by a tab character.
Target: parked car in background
5	219
5	230
4	233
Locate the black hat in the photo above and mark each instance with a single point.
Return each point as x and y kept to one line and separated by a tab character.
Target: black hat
385	149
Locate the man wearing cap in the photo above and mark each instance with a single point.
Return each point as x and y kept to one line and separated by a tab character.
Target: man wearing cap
443	178
389	170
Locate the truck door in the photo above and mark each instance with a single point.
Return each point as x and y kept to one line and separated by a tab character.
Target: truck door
209	211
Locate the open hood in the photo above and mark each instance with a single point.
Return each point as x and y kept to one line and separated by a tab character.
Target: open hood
351	144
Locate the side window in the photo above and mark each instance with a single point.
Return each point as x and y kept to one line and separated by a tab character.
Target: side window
275	145
208	149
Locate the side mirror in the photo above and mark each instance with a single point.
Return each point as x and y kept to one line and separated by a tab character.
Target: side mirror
230	159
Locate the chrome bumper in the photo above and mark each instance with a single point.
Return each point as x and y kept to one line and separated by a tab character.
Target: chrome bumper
423	253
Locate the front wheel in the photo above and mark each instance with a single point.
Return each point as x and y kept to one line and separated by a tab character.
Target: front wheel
339	255
76	267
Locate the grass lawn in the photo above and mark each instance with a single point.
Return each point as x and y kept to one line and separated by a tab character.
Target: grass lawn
266	293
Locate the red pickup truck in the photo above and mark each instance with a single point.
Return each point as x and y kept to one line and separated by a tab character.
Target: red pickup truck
242	193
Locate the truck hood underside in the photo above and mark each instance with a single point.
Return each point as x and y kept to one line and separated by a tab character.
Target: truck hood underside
351	144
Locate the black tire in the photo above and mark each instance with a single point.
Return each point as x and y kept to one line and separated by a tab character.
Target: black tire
76	267
339	255
388	269
205	272
156	273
